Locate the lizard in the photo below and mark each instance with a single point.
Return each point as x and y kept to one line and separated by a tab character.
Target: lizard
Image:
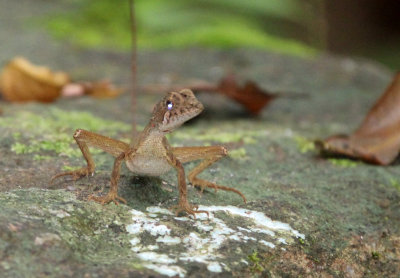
151	154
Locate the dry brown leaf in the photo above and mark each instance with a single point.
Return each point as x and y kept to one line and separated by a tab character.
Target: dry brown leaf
377	140
252	97
102	89
22	81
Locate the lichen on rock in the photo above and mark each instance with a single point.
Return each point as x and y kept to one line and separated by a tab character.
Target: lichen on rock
171	243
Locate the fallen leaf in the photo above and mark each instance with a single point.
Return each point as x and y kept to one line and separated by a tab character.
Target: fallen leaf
22	81
101	89
250	95
377	140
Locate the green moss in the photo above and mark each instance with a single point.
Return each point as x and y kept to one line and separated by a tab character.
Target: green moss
375	255
254	257
52	132
19	148
256	262
39	157
239	154
59	145
343	162
70	168
304	145
216	135
395	183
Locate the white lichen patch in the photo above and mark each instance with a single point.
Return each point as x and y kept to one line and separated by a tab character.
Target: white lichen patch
159	210
263	223
174	242
167	270
59	213
214	267
266	243
144	223
152	256
169	240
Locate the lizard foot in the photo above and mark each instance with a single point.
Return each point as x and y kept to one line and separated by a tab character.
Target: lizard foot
110	197
75	174
189	209
203	184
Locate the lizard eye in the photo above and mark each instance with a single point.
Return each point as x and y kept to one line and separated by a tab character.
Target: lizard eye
169	105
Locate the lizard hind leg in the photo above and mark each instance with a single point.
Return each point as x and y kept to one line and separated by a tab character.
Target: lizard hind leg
208	155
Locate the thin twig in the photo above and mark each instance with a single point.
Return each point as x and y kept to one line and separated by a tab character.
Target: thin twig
133	67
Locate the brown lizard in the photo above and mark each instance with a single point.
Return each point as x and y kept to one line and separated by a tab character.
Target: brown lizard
151	154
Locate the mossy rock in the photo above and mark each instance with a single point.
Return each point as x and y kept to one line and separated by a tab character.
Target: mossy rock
347	211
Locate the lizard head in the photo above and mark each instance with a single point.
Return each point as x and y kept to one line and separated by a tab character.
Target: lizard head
175	109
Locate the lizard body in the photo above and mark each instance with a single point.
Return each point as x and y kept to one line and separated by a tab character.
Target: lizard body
151	154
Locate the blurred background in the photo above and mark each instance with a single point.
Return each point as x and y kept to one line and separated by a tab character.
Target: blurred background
365	28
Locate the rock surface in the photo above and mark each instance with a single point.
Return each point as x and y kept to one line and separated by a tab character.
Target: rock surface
306	215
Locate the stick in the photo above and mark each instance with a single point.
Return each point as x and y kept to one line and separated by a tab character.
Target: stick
133	67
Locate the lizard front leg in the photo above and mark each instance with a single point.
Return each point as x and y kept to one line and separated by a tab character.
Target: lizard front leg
208	155
112	195
183	204
84	139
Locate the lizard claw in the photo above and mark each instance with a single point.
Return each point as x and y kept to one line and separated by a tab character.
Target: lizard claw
189	209
75	174
110	197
